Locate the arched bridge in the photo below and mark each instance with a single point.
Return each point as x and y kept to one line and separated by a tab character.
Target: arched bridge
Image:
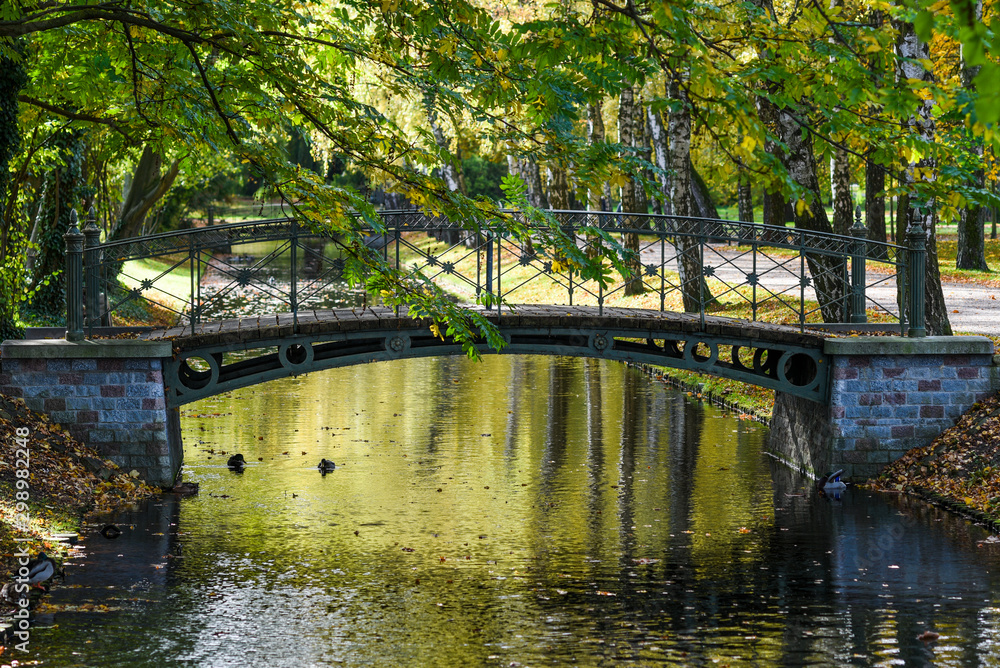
226	355
278	266
849	402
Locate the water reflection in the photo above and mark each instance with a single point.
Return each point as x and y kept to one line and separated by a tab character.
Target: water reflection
521	511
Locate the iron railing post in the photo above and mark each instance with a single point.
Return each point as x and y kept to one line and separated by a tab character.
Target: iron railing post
662	231
294	286
802	280
92	268
489	269
395	234
499	277
478	245
917	242
753	284
701	280
74	280
858	259
193	297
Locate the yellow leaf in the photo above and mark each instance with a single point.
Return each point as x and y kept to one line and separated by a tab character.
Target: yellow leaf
748	143
801	207
448	45
619	180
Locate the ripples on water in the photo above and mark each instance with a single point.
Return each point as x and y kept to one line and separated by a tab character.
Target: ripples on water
522	511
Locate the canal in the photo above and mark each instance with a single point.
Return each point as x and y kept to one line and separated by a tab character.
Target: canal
520	511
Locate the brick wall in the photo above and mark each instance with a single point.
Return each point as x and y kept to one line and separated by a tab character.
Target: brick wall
110	399
888	395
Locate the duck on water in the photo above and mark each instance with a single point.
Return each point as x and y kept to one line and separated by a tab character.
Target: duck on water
37	572
831	484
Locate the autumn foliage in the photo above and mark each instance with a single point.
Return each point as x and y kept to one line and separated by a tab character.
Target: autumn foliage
65	477
961	465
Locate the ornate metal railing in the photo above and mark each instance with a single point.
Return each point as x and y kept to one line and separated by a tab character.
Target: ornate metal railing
281	266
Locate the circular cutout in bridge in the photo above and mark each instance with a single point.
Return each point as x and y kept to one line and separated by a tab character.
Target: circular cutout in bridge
701	351
195	372
292	355
296	354
800	370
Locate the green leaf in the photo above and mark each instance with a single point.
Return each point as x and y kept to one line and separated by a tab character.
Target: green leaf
987	84
923	24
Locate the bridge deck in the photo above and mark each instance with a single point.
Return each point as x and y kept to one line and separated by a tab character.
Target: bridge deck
643	321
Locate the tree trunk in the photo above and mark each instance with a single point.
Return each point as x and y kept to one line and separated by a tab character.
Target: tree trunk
595	194
773	203
558	189
661	157
449	172
694	289
971	244
148	187
630	191
840	183
536	189
744	198
875	201
911	51
827	272
12	79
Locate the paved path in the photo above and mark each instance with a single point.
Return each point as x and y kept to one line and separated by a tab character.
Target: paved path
972	308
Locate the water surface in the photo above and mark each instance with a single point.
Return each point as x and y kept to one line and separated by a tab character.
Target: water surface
523	511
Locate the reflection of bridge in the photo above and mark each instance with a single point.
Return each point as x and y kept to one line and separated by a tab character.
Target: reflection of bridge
857	402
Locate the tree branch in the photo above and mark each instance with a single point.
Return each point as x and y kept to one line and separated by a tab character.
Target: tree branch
211	93
74	116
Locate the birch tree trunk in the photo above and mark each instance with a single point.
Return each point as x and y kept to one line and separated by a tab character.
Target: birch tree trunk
911	50
595	194
629	192
840	175
661	157
744	197
558	188
694	288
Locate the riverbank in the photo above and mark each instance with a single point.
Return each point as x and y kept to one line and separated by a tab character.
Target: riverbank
65	482
959	470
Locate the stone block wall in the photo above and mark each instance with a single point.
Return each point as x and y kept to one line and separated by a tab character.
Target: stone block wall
888	395
108	394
